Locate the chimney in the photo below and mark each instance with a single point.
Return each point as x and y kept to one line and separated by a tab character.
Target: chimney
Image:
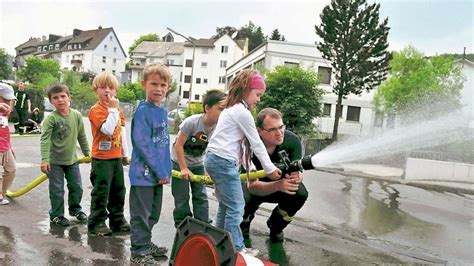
76	32
44	38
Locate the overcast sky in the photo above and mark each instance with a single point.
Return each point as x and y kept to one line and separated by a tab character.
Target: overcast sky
432	26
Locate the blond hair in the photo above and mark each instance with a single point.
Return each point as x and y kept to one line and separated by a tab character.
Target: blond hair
105	80
160	69
240	87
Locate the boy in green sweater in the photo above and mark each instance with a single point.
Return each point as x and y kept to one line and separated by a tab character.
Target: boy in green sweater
61	131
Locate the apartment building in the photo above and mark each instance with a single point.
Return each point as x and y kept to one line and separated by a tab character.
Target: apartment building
357	114
96	51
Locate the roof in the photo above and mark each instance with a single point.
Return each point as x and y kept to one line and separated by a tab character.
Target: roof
159	49
201	43
30	42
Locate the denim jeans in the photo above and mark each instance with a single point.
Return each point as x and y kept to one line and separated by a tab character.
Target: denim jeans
56	189
226	177
180	191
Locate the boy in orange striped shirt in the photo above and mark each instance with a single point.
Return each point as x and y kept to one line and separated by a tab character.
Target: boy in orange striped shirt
109	154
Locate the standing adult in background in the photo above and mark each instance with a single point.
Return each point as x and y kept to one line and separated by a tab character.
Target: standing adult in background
288	192
22	107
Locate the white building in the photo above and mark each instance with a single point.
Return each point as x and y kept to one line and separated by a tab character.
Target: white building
357	115
211	57
94	51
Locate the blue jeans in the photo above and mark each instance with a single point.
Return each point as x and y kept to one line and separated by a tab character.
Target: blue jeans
226	177
180	191
56	189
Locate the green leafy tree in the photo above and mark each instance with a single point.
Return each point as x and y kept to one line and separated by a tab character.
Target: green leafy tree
5	68
294	91
253	33
35	67
356	45
151	37
82	93
277	36
220	31
416	82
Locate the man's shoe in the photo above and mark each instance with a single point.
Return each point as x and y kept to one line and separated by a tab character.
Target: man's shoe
100	230
4	201
249	251
157	251
121	226
80	216
277	237
245	227
60	220
143	260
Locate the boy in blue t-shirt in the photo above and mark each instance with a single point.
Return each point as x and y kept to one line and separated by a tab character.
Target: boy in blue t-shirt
150	167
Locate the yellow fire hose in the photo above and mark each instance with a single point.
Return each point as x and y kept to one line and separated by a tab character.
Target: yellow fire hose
195	178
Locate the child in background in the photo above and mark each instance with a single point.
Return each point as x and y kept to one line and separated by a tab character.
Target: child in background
62	129
151	164
109	152
236	131
188	150
7	157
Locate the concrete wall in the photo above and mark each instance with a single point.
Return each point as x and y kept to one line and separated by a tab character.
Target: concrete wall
424	170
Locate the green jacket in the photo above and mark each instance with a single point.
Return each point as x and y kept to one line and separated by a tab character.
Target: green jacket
59	137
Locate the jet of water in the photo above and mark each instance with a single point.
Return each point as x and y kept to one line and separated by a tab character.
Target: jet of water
443	130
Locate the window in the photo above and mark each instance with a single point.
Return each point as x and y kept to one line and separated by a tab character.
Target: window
203	64
104	59
56	46
224	49
196	97
222	79
185	94
111	37
170	62
103	69
327	109
205	50
45	48
39	48
50	47
223	63
79	46
75	46
187	79
115	61
353	113
189	63
105	47
113	72
204	81
291	64
151	60
324	74
115	49
67	58
69	47
198	80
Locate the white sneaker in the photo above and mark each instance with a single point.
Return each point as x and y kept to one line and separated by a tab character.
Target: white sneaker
4	201
249	251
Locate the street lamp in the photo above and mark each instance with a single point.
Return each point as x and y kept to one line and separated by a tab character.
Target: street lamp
192	64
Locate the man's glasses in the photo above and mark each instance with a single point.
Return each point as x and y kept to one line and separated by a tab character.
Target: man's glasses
275	129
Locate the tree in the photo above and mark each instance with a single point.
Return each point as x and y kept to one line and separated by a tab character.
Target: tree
220	31
277	36
35	68
82	93
253	33
5	68
151	37
294	92
356	45
417	82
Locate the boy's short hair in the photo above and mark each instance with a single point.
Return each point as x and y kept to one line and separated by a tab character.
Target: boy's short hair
271	112
57	88
161	70
213	97
105	79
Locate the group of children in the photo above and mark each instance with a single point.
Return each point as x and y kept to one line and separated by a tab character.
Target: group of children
211	143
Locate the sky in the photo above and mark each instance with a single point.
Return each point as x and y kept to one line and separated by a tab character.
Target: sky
431	26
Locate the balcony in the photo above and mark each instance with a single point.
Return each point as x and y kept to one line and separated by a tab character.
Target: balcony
76	62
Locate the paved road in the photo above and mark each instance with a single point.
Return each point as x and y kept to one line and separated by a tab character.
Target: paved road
345	221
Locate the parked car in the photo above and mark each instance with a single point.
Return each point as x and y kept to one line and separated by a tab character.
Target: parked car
173	115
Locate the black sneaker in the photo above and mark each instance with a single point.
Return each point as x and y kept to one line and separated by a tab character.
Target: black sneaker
157	251
80	216
142	260
100	230
121	226
60	220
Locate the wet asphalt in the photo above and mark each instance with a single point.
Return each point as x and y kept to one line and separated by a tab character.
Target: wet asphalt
346	221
